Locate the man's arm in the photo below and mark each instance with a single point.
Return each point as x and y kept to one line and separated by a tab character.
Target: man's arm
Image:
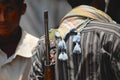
37	71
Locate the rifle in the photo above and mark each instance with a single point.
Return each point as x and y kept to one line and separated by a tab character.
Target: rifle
49	69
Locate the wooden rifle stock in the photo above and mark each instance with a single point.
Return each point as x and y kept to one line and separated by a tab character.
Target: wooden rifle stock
49	69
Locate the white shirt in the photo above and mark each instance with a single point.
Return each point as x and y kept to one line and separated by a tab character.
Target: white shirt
18	65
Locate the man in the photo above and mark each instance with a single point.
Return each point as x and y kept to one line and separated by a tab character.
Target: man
88	47
16	45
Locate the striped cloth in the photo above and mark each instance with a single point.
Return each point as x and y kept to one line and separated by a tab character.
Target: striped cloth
100	46
73	18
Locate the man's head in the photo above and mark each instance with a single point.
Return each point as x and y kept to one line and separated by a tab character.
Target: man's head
75	3
10	14
100	4
114	10
109	6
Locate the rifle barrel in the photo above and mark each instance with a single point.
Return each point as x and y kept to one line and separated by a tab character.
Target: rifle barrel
49	69
47	42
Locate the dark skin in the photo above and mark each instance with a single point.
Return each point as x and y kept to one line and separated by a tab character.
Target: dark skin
114	10
10	32
9	44
100	4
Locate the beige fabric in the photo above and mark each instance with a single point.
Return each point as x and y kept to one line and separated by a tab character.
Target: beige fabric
71	20
17	66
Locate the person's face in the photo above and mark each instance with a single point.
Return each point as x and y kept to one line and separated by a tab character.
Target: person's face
9	17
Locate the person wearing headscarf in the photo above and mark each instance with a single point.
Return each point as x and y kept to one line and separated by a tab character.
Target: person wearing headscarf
87	45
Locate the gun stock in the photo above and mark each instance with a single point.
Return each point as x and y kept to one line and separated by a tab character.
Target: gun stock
49	69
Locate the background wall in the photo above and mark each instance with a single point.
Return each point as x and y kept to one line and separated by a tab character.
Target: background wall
32	21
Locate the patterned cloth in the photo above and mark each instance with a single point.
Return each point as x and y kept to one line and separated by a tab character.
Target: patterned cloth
77	16
99	43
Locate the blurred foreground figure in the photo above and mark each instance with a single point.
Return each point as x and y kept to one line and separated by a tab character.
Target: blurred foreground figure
86	45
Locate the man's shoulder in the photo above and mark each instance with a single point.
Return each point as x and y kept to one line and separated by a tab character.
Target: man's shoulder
26	44
104	26
30	36
41	42
51	35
